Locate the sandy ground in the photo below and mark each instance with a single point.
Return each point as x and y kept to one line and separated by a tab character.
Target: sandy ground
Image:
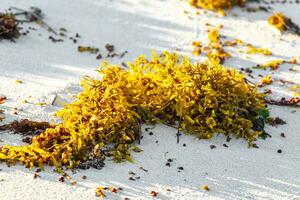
140	26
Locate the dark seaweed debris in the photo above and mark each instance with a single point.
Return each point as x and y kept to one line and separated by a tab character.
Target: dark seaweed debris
9	28
55	40
26	127
295	101
10	21
34	14
275	121
97	163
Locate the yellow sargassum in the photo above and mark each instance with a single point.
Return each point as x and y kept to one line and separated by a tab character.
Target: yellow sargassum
278	20
204	98
216	4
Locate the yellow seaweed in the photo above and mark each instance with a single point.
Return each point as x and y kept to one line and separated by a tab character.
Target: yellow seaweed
205	98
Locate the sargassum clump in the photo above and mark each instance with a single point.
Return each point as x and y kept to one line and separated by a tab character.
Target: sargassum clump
204	99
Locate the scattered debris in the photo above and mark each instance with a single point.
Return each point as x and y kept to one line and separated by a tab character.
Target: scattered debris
93	50
255	50
99	192
168	163
55	40
268	91
113	189
73	183
94	162
294	102
9	22
77	35
279	151
205	187
180	168
110	48
153	193
265	81
275	121
89	49
257	9
35	176
18	81
123	54
145	170
2	99
34	14
41	103
131	173
215	51
61	179
137	149
148	129
131	179
274	64
62	29
99	56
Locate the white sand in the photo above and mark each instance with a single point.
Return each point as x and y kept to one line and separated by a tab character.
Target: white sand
140	26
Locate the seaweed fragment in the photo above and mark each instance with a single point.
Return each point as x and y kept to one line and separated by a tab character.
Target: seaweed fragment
9	27
89	49
294	101
283	23
275	121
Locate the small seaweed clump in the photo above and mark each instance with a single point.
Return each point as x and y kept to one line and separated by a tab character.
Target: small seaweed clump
214	50
8	27
283	23
202	99
216	4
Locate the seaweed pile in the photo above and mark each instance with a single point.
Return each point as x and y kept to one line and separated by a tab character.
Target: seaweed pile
201	99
